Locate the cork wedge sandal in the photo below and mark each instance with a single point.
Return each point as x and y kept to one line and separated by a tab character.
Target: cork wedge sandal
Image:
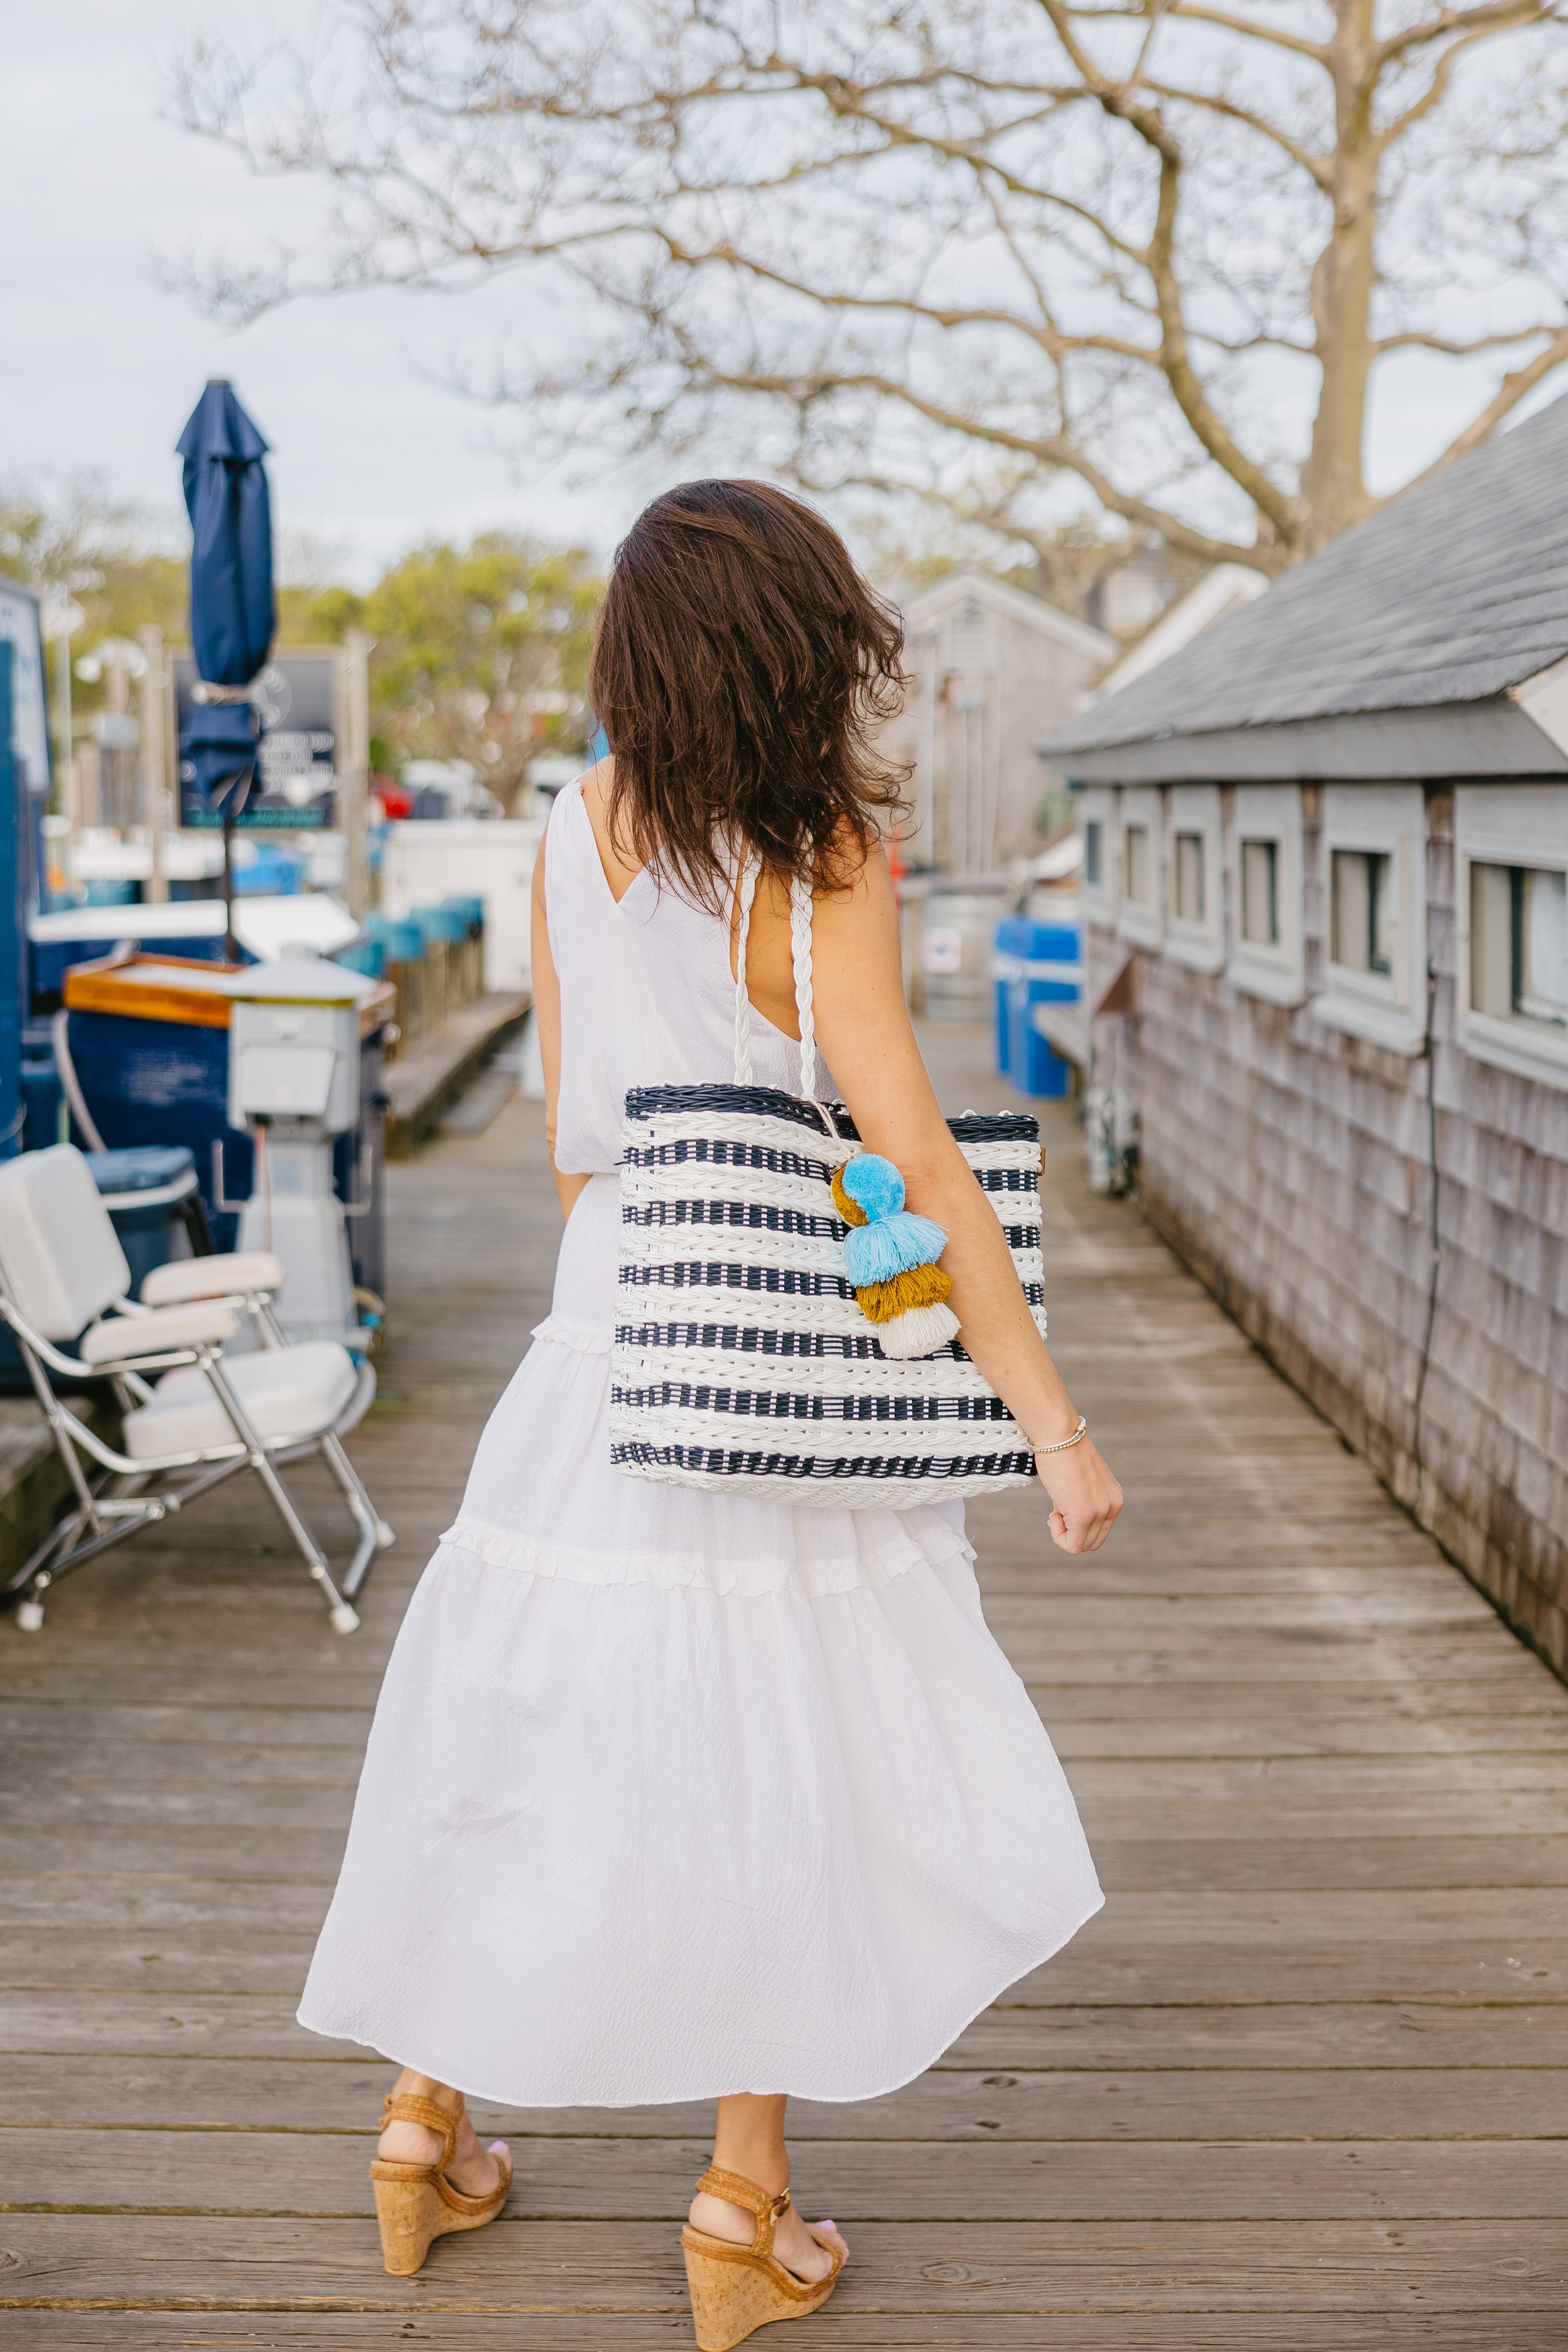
415	2202
736	2289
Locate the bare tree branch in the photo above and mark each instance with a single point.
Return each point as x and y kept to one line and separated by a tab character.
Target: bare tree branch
1185	382
1507	397
1157	247
1046	450
1497	17
1318	168
1273	36
1414	338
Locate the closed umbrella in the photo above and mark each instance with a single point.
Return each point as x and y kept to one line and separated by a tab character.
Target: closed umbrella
233	615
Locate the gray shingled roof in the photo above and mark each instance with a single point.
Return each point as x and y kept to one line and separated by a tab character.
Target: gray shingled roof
1449	596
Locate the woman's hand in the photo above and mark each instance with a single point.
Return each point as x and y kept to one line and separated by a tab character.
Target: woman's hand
1086	1499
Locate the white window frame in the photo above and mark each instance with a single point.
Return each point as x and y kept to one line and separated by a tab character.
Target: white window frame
1387	821
1143	927
1195	808
1507	825
1269	812
1100	899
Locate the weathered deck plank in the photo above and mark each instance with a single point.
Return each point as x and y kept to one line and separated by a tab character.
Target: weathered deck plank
312	2176
854	2330
114	2094
1300	2085
1006	2270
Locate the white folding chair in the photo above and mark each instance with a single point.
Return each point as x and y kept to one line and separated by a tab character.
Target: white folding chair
63	1276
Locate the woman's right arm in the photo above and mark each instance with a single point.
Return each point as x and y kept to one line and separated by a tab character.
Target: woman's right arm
547	1015
864	1028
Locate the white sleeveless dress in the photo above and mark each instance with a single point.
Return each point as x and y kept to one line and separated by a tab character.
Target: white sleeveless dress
670	1793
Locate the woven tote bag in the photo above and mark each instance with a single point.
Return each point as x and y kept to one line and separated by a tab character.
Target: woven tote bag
743	1362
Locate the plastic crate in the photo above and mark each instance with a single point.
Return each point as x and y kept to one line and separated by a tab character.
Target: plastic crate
1034	963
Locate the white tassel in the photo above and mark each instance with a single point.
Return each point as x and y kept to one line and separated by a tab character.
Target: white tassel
918	1331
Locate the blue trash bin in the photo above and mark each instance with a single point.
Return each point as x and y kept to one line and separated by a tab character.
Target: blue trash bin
1034	963
400	940
446	922
152	1083
148	1190
368	955
1008	946
43	1098
270	872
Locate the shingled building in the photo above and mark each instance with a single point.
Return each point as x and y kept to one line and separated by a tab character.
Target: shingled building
1327	862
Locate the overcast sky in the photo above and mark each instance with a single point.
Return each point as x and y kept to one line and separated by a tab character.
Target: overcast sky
372	447
102	368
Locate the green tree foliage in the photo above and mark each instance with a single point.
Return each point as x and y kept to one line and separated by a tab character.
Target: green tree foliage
481	653
81	544
478	652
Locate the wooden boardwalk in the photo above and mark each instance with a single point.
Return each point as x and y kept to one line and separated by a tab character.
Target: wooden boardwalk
1300	2085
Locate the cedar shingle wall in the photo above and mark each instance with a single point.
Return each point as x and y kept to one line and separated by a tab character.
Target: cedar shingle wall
1290	1166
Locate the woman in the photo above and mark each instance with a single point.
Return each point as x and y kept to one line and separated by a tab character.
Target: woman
676	1795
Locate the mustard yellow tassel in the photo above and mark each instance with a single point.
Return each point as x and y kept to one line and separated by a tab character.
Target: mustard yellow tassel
925	1286
851	1211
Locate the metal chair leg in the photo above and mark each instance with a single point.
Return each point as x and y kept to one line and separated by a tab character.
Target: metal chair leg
40	1562
344	1617
70	1546
374	1533
33	1580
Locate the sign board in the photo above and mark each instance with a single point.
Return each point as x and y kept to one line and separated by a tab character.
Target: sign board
296	699
29	707
942	948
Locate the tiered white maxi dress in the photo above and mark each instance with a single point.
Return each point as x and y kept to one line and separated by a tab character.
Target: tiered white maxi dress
669	1793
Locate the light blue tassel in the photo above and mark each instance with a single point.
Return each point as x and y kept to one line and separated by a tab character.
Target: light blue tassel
894	1245
874	1184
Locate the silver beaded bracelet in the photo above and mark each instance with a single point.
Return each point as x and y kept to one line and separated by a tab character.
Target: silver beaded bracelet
1063	1443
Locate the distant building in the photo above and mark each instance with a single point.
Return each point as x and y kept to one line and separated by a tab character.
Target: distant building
1129	597
993	668
1217	595
1326	885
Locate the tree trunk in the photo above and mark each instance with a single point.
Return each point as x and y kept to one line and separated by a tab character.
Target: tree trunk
1333	487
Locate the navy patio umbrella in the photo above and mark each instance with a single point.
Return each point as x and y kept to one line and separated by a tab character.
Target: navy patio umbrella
233	615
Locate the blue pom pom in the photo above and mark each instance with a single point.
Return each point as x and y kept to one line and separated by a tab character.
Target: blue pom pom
874	1184
894	1245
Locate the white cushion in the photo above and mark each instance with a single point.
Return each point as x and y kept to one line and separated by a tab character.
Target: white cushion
60	1259
286	1393
125	1336
230	1275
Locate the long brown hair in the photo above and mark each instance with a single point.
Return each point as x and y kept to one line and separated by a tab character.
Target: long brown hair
742	665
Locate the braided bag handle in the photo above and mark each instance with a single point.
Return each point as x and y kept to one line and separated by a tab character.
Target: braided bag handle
801	956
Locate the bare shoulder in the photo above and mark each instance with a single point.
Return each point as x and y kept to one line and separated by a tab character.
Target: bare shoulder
616	853
859	898
596	785
856	948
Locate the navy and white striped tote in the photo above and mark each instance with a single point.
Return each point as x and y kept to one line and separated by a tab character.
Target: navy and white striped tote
743	1362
